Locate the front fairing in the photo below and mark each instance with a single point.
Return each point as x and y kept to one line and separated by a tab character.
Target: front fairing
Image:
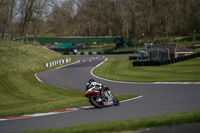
110	99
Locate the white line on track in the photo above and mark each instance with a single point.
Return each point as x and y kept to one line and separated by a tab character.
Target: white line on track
38	78
131	99
40	114
91	72
56	68
68	64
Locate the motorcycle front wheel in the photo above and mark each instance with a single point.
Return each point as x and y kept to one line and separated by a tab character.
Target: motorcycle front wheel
115	101
96	101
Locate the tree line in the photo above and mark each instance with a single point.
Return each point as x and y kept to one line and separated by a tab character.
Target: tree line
125	18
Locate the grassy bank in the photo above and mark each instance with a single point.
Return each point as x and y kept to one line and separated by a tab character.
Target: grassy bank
130	124
121	69
18	58
20	92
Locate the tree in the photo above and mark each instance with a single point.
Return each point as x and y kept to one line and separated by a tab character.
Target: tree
27	9
39	14
4	17
126	18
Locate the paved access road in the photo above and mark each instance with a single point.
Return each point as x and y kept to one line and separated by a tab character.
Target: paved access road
158	99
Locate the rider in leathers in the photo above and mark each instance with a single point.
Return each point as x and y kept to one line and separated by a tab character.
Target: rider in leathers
92	84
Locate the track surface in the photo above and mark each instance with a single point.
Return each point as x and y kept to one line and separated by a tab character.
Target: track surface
158	99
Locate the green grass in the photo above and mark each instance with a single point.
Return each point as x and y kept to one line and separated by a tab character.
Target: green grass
25	58
119	68
129	124
21	93
130	49
196	50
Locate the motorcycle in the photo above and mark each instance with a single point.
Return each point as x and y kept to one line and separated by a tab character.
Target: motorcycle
99	101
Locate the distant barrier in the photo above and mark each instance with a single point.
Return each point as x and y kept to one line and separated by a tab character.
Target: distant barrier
57	62
122	52
83	53
165	62
98	53
89	40
138	58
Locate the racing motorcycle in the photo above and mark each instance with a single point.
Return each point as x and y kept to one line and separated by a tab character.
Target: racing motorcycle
99	101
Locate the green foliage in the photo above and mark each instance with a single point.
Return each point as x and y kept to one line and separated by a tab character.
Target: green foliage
130	49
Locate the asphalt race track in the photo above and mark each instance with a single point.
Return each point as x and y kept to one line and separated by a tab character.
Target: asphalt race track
157	99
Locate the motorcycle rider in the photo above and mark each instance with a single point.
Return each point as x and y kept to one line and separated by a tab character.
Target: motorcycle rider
93	84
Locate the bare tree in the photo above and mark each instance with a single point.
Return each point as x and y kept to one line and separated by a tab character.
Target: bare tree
39	14
4	13
27	9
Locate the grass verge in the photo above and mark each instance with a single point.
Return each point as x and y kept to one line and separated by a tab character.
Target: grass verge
119	68
23	94
129	124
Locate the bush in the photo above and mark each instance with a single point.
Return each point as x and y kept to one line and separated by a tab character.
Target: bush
99	53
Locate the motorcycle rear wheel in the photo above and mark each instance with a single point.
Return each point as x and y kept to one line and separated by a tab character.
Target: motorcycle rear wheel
93	100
